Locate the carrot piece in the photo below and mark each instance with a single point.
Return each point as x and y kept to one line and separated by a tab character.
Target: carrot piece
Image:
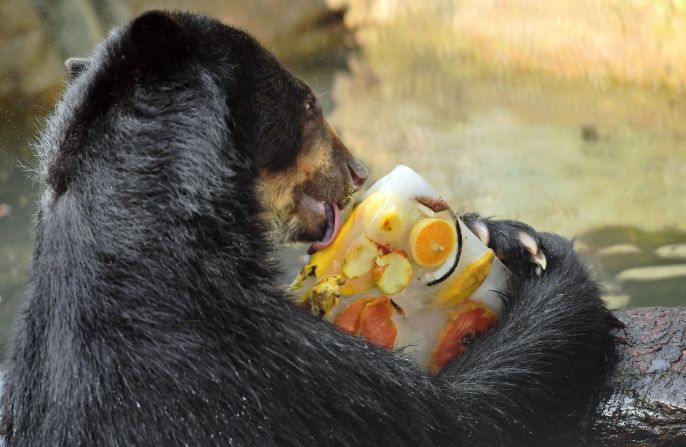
470	320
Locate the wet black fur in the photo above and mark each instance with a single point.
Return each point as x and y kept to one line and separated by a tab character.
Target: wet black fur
151	317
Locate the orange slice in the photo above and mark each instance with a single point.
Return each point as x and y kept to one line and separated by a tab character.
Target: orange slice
432	241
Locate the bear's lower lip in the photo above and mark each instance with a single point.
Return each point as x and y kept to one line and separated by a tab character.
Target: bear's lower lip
333	220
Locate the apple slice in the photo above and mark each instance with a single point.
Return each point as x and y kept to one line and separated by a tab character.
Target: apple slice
359	257
392	272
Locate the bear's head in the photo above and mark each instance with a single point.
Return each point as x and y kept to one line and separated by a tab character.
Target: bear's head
302	173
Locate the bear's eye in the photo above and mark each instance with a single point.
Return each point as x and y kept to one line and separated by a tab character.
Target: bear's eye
310	107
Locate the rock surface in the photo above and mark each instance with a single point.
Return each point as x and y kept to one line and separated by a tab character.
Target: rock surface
36	37
641	42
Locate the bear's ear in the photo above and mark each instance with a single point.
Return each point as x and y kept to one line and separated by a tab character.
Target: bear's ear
158	38
75	66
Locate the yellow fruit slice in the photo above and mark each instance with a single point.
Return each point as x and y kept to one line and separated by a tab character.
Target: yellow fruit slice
324	295
470	320
371	205
360	284
390	222
432	241
299	280
466	281
359	257
392	272
321	262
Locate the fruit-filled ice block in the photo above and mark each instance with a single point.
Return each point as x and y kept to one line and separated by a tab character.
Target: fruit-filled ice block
405	273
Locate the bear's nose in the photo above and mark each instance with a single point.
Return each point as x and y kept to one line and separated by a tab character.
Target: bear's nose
358	173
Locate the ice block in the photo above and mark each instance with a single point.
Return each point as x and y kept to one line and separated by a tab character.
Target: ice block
405	273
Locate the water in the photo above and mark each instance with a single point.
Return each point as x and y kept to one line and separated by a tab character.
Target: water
17	196
604	164
597	161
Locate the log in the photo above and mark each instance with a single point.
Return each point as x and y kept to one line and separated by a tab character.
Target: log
645	398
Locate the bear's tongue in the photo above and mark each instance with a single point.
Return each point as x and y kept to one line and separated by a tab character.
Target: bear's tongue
333	219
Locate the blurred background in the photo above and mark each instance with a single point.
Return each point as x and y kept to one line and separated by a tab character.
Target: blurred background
567	114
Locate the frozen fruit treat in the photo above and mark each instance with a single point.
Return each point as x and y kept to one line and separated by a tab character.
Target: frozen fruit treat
406	274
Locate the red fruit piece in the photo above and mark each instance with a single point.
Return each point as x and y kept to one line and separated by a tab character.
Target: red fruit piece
370	318
349	319
376	324
470	320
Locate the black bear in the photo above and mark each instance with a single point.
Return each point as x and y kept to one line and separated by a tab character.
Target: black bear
180	152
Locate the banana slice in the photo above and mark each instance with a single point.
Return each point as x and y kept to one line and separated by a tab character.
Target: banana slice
358	285
323	262
324	295
466	281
